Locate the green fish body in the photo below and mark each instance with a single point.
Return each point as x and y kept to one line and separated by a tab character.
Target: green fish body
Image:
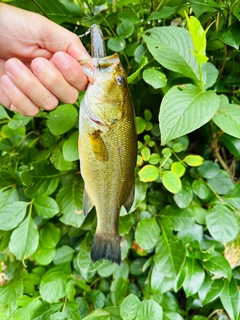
108	151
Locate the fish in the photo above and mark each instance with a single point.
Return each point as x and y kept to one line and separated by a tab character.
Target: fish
107	148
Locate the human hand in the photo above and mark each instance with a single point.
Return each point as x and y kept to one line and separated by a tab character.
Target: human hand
38	62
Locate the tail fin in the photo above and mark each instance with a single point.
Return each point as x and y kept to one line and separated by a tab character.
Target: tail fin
106	248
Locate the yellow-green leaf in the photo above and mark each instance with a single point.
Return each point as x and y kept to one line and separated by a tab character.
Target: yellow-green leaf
171	182
178	168
148	173
193	161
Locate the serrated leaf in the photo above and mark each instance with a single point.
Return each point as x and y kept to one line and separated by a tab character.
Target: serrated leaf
148	173
184	110
24	239
171	181
176	40
147	233
69	199
129	307
155	78
62	119
222	223
170	256
46	207
12	214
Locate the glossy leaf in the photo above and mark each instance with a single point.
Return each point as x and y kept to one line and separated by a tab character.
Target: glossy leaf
149	310
129	307
147	233
12	214
148	173
46	206
155	78
24	239
171	182
180	112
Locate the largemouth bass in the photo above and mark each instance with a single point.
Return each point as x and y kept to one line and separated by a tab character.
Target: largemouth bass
107	148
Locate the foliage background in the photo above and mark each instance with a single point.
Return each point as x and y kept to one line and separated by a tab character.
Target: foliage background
180	244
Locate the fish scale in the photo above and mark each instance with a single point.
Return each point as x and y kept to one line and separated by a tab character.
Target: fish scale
107	150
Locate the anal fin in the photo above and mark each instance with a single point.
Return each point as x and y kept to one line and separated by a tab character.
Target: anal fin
87	203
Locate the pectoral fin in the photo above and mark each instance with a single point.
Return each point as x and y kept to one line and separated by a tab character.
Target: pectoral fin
128	204
98	146
87	203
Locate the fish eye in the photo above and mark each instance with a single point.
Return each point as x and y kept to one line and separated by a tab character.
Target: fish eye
120	79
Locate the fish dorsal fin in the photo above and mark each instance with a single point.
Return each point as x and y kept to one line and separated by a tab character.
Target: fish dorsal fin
98	146
128	204
87	203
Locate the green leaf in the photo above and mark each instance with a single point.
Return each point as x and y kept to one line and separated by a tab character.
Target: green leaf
125	29
161	283
42	179
46	206
62	119
177	219
155	78
134	75
18	121
172	315
183	110
24	239
69	199
233	196
211	75
52	286
97	298
171	181
170	46
193	160
116	44
221	183
58	160
50	235
163	13
3	113
149	310
70	147
232	144
194	277
63	254
202	190
170	256
148	173
178	169
129	307
218	266
44	256
222	223
84	261
208	169
147	233
12	214
98	315
227	118
185	196
210	289
230	299
128	16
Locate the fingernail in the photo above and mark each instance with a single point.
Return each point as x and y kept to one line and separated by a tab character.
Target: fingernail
13	66
39	64
7	82
61	60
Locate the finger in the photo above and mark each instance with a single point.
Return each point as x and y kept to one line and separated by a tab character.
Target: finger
29	84
71	70
18	100
53	80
